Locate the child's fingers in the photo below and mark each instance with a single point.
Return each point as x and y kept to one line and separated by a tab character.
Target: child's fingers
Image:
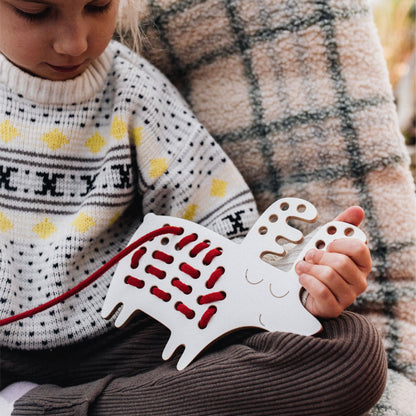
343	291
321	300
355	249
342	265
352	215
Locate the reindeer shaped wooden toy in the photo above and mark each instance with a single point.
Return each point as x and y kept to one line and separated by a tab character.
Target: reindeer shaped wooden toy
201	285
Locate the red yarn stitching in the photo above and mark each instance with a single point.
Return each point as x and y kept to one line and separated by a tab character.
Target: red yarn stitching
186	268
211	297
198	248
160	294
160	255
94	276
211	255
181	286
135	258
132	281
216	274
186	240
206	317
189	313
160	274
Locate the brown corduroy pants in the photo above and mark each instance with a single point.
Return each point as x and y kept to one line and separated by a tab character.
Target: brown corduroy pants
341	372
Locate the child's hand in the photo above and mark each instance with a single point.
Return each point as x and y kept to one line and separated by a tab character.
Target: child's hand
334	278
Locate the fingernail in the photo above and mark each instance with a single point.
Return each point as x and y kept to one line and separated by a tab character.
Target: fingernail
299	266
309	255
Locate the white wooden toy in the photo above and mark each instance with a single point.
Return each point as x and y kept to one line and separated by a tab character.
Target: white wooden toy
201	285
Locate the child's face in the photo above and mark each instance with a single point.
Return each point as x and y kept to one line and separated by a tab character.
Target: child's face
55	39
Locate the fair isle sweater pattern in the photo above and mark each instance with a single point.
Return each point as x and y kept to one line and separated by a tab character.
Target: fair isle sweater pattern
81	162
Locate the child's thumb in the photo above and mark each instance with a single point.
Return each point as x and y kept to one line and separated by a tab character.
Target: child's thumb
352	215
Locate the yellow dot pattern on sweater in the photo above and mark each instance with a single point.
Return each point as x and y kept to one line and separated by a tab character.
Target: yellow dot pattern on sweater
157	167
95	143
118	128
55	139
218	188
83	222
190	212
136	133
44	229
114	218
7	131
5	223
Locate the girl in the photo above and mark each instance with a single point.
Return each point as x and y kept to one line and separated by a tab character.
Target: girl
92	137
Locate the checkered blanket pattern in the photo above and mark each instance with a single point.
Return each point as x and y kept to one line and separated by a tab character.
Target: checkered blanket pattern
297	93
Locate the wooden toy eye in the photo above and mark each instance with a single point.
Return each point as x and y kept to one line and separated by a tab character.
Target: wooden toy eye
274	295
252	283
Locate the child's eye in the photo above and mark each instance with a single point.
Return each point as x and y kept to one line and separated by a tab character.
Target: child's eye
93	8
33	16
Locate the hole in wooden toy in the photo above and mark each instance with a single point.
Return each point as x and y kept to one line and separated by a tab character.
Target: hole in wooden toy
273	218
160	274
161	294
189	270
284	206
216	274
331	230
211	297
320	245
209	257
189	313
301	208
263	230
181	286
199	247
208	314
164	241
132	281
135	258
349	232
185	241
160	255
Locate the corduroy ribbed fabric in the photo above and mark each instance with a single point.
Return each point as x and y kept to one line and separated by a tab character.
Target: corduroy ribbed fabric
340	372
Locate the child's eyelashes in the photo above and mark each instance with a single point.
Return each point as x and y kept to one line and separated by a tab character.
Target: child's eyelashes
90	8
33	16
98	9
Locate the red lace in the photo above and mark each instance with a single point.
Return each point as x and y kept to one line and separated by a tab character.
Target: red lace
93	277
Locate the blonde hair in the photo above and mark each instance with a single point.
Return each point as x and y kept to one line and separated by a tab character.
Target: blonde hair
127	28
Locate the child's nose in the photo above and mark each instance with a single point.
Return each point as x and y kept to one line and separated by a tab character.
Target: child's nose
71	39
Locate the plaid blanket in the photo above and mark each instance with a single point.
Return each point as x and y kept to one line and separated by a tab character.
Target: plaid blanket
297	93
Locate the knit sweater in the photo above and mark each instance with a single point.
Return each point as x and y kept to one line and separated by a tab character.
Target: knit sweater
81	162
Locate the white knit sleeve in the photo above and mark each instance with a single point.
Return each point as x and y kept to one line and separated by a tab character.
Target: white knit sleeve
182	171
